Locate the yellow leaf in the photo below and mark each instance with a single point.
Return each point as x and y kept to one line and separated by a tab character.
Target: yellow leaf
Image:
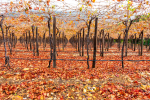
26	69
93	0
144	87
11	3
41	98
147	2
80	97
17	98
90	94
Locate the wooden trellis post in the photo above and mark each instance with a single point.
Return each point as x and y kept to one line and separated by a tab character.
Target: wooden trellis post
149	42
83	44
108	42
12	40
26	40
80	43
63	41
30	40
102	43
54	42
44	40
126	33
132	42
33	40
95	40
76	42
141	49
37	46
135	42
58	40
119	40
15	41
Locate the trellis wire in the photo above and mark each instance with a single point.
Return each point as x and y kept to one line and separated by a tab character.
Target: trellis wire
74	59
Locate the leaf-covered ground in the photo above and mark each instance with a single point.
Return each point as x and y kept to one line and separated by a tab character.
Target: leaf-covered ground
71	80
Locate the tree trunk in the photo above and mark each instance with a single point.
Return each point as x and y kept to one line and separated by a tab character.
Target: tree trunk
6	57
50	43
7	40
126	31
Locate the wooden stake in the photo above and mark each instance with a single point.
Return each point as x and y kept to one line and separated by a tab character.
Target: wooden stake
135	42
54	42
37	46
141	43
103	43
83	44
30	41
95	40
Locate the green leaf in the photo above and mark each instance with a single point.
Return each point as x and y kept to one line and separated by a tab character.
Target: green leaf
140	19
26	9
53	6
133	9
119	23
80	8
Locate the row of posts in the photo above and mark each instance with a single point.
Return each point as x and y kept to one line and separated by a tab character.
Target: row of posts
26	39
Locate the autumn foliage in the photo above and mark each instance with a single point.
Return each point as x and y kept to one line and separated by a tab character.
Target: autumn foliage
28	76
